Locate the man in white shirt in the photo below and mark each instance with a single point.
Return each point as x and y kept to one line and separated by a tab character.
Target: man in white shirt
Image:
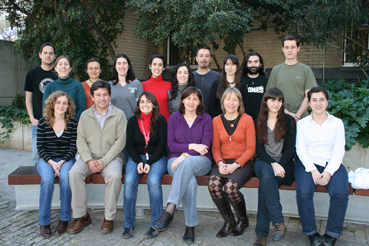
320	147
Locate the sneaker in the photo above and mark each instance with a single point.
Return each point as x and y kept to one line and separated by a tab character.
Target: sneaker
128	232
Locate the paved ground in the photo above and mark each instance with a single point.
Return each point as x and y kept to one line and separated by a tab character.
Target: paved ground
21	228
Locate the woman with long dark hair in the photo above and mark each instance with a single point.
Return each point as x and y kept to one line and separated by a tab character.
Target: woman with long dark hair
157	85
189	139
183	79
274	165
56	144
147	149
125	88
230	78
233	148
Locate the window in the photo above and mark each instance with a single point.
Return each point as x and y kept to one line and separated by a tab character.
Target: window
356	46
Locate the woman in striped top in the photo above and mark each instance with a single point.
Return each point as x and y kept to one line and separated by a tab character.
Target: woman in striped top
56	144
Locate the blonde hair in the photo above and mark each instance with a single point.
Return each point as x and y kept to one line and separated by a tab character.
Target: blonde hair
234	90
48	112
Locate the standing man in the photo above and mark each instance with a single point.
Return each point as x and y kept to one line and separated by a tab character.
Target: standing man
253	77
204	77
293	78
320	147
101	137
35	83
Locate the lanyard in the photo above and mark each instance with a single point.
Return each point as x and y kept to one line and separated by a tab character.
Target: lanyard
146	135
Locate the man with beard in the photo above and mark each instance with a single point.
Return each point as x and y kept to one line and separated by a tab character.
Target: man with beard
35	83
204	77
293	78
253	77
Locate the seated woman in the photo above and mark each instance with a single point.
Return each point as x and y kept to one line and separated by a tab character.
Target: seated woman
189	139
147	149
274	165
233	148
56	144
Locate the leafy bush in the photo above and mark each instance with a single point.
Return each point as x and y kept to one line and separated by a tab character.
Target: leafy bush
350	102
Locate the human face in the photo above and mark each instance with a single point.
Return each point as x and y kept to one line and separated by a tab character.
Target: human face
61	105
274	104
231	103
122	66
93	70
203	58
47	56
182	75
290	49
156	67
230	68
318	103
253	64
191	103
101	99
145	105
63	68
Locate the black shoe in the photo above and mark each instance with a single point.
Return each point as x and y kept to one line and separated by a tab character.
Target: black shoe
328	240
163	222
151	233
189	235
241	214
316	240
128	232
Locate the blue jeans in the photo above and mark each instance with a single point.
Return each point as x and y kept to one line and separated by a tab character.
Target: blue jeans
47	188
269	205
131	179
184	185
35	156
338	192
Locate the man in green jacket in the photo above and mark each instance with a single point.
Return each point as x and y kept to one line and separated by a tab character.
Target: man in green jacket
101	137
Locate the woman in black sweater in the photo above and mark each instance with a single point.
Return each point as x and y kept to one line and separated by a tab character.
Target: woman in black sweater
147	150
56	144
274	165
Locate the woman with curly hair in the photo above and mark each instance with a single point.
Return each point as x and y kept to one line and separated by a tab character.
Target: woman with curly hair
56	144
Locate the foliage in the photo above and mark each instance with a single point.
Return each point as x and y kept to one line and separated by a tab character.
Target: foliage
79	28
9	115
349	101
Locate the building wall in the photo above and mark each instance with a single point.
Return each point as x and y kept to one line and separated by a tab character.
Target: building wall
138	50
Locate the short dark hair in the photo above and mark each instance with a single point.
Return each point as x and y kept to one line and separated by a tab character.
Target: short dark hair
44	45
204	47
317	89
93	59
156	56
100	84
291	37
130	73
186	93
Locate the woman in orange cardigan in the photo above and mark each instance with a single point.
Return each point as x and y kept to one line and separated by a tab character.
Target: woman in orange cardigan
233	148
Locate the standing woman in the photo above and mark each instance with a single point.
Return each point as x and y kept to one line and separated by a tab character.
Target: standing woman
56	144
182	80
189	139
125	88
74	89
156	85
147	150
230	78
93	70
233	148
274	165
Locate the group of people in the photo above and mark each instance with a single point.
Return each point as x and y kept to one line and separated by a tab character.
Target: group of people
230	126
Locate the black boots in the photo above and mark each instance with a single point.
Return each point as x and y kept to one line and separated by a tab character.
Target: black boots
242	219
227	214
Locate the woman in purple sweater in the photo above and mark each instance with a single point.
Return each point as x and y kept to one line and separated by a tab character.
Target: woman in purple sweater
189	139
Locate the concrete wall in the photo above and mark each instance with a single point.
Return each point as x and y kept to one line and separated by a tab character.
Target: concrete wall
13	69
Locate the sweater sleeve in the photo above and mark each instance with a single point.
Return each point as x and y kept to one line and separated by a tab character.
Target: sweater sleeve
72	128
131	131
46	94
160	148
173	145
42	128
207	130
80	101
216	141
250	142
289	150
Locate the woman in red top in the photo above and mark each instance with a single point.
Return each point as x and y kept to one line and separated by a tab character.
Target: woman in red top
233	148
93	70
156	85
